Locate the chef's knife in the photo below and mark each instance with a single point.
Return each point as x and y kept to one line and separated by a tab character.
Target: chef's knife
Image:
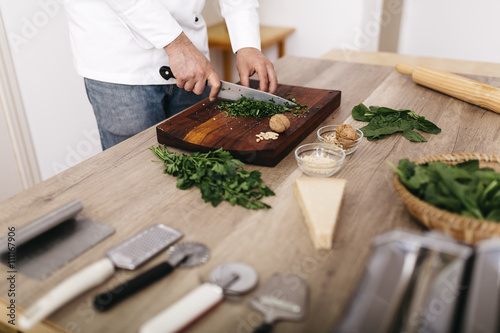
233	91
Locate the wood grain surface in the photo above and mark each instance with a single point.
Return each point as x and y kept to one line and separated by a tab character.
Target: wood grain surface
205	126
122	187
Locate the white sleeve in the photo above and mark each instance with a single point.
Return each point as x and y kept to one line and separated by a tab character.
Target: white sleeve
242	20
149	20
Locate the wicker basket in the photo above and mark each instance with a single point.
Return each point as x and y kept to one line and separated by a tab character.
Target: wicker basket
465	229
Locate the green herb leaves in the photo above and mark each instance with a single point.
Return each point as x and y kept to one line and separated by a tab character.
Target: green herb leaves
385	121
464	189
245	107
218	175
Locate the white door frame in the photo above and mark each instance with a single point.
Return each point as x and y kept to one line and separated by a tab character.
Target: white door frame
392	11
11	105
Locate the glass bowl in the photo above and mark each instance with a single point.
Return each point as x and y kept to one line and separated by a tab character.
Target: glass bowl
327	134
319	159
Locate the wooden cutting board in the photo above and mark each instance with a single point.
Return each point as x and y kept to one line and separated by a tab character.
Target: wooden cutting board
204	127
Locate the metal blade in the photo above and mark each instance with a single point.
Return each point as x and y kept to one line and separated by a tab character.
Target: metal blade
233	92
196	254
48	252
141	247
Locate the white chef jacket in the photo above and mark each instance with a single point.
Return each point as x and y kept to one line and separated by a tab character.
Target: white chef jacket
121	41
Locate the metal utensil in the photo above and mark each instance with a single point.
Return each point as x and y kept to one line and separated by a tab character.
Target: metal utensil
233	91
483	302
52	240
233	278
183	255
407	276
127	255
43	223
282	297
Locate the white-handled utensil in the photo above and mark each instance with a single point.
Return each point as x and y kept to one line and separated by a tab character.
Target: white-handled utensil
231	279
127	255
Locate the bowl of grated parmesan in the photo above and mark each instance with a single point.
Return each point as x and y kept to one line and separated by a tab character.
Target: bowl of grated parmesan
319	159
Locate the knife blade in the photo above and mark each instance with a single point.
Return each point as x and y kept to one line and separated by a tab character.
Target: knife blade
233	91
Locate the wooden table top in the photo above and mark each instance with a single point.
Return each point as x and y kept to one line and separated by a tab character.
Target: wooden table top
218	36
122	187
392	59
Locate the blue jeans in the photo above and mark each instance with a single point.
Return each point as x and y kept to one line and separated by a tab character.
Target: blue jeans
124	110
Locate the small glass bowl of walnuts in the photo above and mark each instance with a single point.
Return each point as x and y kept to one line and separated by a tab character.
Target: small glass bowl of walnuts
343	136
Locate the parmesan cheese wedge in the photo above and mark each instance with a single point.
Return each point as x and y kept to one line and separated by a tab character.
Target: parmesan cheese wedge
320	200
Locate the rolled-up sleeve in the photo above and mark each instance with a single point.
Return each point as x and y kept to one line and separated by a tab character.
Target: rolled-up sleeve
148	19
242	20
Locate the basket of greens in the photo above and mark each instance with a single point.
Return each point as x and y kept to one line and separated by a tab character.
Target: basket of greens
456	193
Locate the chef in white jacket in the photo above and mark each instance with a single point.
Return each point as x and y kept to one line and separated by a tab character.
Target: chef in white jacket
119	46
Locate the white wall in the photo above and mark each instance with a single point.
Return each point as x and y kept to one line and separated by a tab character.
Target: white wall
456	29
60	117
320	25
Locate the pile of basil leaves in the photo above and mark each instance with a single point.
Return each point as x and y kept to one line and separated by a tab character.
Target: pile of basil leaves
385	121
465	188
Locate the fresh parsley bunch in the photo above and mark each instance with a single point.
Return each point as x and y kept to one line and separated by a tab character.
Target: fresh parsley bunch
218	175
384	121
465	188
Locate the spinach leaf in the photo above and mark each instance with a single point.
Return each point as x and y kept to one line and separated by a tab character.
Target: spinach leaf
413	136
426	126
361	113
470	166
384	121
464	188
433	196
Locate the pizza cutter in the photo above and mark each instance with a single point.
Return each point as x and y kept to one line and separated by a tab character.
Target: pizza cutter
230	279
182	255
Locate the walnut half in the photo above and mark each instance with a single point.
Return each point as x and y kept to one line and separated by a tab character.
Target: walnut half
279	123
345	132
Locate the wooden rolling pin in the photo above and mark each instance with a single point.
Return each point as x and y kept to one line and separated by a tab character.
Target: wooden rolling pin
465	89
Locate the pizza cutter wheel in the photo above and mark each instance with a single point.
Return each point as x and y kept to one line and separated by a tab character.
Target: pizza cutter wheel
232	278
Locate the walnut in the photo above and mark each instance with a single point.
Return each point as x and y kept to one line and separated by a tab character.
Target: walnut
279	123
345	132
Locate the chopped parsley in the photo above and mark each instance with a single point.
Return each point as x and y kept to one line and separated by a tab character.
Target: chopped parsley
245	107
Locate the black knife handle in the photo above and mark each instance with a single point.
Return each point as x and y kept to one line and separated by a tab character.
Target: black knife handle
264	328
166	73
107	300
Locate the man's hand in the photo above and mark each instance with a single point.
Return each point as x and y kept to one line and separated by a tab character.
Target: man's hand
191	68
249	61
